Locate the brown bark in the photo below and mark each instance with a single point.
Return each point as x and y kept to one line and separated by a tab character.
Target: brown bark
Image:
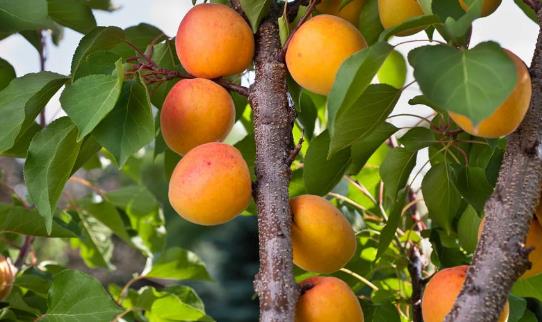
273	121
501	256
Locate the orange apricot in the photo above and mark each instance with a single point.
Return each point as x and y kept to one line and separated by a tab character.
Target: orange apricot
509	114
488	7
213	41
323	241
196	111
441	292
317	50
327	299
350	11
394	12
210	185
7	276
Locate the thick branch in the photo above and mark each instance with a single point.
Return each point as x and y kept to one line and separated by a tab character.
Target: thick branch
501	257
273	121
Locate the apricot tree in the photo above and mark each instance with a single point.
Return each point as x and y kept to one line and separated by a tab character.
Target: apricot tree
288	115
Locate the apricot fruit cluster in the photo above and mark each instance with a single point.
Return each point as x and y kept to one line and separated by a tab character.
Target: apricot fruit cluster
509	114
327	299
7	277
441	292
211	184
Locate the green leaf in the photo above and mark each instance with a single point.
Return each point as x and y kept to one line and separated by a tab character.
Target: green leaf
363	116
518	306
130	125
97	63
394	219
178	264
247	147
393	71
136	200
106	213
255	10
7	73
21	102
385	312
527	10
369	22
473	185
100	4
441	195
22	142
353	78
77	297
74	14
284	29
471	82
467	229
308	113
421	22
51	157
395	171
24	221
319	173
23	15
139	36
95	243
417	138
88	101
529	287
88	150
101	38
364	147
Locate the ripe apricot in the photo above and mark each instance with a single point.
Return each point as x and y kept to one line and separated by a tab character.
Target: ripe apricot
488	7
349	12
394	12
327	299
210	185
322	239
533	241
441	292
317	50
509	114
196	111
213	41
7	276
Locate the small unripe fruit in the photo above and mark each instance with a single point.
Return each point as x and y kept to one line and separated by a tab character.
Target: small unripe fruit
196	111
488	7
394	12
393	70
509	114
327	299
323	241
210	185
317	50
349	12
213	41
7	277
441	292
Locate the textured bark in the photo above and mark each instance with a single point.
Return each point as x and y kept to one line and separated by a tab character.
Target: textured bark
501	256
273	121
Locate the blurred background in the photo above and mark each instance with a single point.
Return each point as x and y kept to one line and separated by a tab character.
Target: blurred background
230	251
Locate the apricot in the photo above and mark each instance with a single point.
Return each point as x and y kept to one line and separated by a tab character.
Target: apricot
394	12
7	276
323	240
213	41
349	12
441	292
488	7
327	299
509	114
196	111
317	50
210	185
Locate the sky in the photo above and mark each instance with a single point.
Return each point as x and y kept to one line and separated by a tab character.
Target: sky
507	26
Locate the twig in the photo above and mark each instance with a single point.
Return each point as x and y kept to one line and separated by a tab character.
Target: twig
361	278
415	261
24	251
295	151
308	14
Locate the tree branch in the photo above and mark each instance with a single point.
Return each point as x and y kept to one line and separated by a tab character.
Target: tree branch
501	256
415	261
273	122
